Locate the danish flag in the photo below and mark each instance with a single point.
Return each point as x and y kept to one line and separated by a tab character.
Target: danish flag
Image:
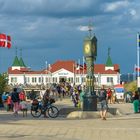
5	41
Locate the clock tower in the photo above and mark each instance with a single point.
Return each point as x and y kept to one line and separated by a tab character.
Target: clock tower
90	54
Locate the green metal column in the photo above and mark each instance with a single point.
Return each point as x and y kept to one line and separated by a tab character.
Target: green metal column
90	51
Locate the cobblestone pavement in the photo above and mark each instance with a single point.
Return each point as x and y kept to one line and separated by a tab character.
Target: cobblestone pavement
125	127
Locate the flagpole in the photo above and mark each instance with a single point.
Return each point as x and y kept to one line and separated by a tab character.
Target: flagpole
83	64
46	66
73	73
79	66
74	68
138	50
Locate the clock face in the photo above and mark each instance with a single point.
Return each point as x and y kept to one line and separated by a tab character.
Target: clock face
87	48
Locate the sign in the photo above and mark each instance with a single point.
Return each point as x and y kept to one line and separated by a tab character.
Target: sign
63	73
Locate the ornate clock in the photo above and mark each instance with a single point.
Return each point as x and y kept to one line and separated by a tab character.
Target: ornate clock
87	48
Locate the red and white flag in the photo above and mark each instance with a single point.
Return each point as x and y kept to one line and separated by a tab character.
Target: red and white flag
5	41
136	68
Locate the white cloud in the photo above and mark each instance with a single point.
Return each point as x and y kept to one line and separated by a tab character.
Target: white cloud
83	28
113	6
133	12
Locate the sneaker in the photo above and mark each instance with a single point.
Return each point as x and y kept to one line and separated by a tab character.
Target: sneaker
104	118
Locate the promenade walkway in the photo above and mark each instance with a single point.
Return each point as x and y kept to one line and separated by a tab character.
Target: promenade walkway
124	127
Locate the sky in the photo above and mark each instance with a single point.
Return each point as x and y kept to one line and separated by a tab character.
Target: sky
51	30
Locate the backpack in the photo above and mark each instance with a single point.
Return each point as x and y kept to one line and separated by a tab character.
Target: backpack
4	98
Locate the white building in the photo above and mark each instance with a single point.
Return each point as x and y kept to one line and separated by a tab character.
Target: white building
105	74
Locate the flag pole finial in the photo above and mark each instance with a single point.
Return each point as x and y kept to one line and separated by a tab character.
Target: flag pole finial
90	28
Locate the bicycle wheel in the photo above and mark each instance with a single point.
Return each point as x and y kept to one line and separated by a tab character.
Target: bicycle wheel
36	113
53	112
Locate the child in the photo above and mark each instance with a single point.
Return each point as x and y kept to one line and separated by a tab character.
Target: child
24	107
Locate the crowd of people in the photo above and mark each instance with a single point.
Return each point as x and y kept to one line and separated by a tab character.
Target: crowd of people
16	100
107	97
63	90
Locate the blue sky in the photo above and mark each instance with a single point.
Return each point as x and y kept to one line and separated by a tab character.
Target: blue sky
50	30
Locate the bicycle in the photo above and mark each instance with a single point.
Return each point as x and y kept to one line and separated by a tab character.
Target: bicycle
37	109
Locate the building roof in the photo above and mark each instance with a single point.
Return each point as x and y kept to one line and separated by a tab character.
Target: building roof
100	68
69	65
22	64
24	71
109	62
16	62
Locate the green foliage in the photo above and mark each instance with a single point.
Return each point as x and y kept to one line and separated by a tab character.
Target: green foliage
3	82
132	86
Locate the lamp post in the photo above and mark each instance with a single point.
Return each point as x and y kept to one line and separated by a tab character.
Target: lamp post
46	63
24	78
50	74
90	53
99	80
128	77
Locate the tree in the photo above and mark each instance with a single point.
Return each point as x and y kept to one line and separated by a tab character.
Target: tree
3	82
132	86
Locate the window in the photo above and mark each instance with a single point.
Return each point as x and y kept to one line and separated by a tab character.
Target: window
42	79
33	79
39	79
13	79
83	79
77	79
54	80
27	79
47	80
71	79
109	79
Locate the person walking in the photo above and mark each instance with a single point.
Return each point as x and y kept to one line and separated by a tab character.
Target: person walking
109	95
82	92
136	102
4	100
24	107
102	95
22	96
16	100
45	100
9	103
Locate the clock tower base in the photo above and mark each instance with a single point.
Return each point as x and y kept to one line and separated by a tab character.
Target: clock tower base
90	102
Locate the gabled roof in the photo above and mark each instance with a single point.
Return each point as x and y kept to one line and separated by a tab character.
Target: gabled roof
16	62
70	66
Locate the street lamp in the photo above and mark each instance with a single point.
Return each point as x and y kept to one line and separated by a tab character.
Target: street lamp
50	73
90	53
24	78
99	80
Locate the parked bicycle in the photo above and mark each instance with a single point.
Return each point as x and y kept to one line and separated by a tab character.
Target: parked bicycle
37	109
